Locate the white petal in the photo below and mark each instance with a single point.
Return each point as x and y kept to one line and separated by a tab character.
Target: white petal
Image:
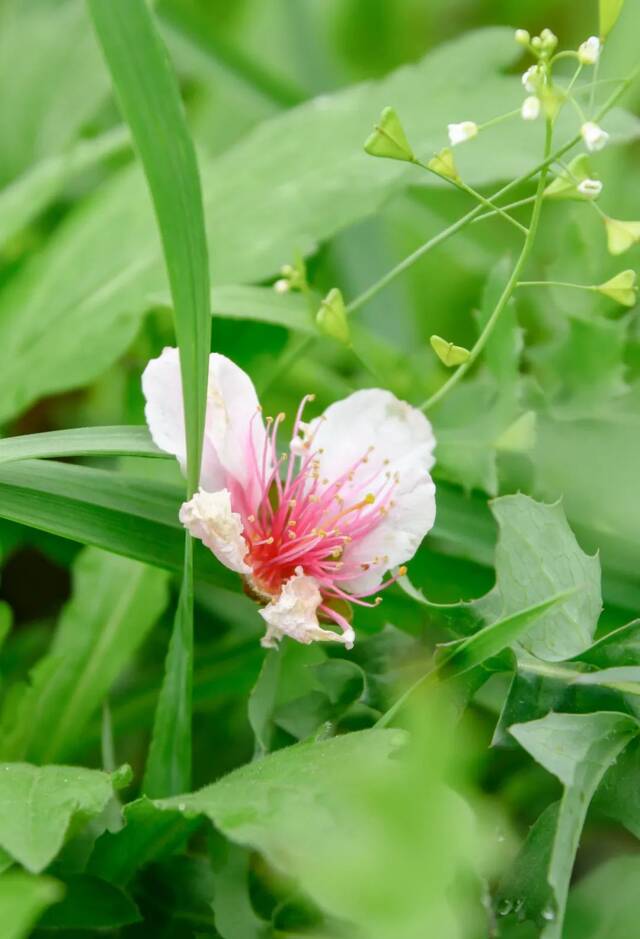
234	428
208	516
400	441
293	614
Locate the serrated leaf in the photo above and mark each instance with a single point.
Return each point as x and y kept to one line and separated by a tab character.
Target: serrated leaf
577	748
38	805
536	553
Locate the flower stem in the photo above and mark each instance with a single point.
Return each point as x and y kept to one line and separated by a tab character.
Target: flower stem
554	283
464	187
512	205
510	286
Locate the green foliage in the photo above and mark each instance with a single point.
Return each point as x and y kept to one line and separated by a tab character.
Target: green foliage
39	805
471	766
22	899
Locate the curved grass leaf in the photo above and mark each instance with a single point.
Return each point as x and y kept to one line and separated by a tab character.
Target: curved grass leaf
135	518
148	93
80	441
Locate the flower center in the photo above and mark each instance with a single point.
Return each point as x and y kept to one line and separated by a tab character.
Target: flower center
303	520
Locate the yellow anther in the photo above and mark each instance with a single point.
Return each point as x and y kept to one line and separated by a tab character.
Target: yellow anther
369	499
402	570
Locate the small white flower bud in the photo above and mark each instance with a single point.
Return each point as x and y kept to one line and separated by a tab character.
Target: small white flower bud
549	40
590	188
459	133
589	51
594	136
522	37
530	109
282	286
532	79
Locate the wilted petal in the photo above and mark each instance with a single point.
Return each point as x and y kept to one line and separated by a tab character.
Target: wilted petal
209	517
294	614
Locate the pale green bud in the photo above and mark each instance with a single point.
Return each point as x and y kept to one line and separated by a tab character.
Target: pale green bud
449	354
552	100
388	139
567	183
621	235
522	37
444	164
623	288
331	318
548	40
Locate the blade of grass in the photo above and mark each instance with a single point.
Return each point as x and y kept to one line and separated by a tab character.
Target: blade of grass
80	441
150	101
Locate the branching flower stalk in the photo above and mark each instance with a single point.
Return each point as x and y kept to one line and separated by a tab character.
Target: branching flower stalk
510	285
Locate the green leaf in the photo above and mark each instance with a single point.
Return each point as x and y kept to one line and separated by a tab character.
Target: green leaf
147	91
168	768
234	914
148	835
609	11
24	198
114	604
604	902
149	97
537	553
80	441
90	903
577	748
135	518
22	900
38	805
389	820
264	305
463	654
48	105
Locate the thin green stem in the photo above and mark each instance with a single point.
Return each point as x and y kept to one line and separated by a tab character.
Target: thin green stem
297	349
592	96
512	205
510	285
554	283
464	187
499	119
565	54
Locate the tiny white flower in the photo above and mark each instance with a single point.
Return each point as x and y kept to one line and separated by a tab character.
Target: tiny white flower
590	188
531	79
594	136
282	286
522	37
458	133
530	110
589	51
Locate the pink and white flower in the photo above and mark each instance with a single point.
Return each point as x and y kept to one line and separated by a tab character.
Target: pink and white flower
316	526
